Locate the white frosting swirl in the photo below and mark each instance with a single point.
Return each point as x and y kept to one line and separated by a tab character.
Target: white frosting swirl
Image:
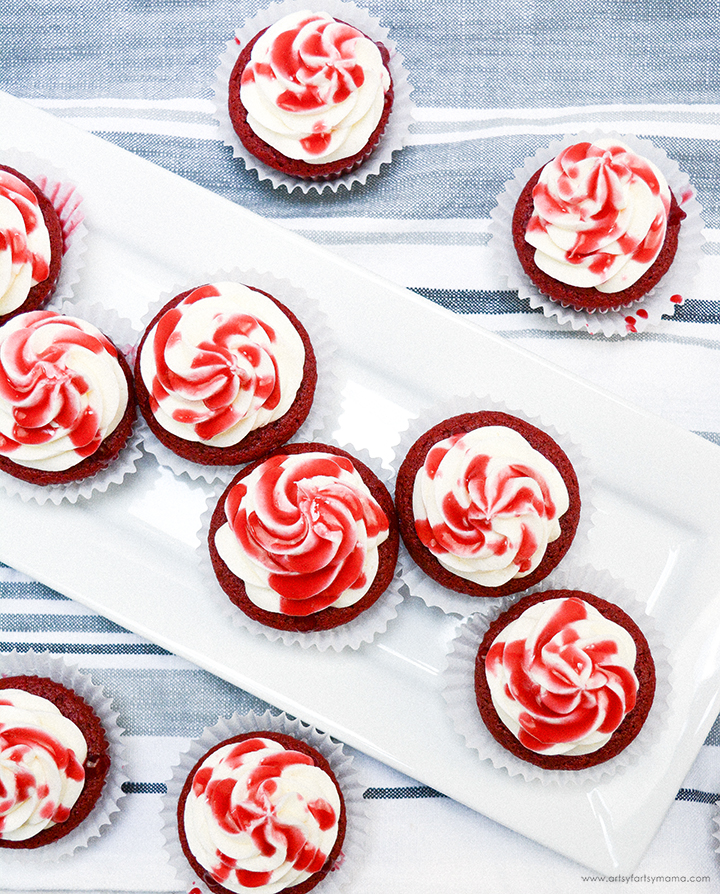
486	505
222	363
303	533
24	242
62	390
314	88
562	677
42	754
600	216
260	816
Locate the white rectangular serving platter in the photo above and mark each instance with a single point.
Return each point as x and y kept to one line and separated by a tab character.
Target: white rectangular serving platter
129	553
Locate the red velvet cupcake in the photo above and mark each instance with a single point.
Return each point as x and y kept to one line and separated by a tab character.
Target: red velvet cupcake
224	373
597	227
32	239
67	403
564	680
311	96
488	504
52	736
304	540
292	850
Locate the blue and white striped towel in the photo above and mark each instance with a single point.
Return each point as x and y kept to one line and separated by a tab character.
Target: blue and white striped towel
493	80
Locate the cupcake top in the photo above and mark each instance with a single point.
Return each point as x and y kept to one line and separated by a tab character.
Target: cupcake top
597	227
52	761
600	214
31	244
310	94
305	539
65	390
224	372
564	679
488	504
261	810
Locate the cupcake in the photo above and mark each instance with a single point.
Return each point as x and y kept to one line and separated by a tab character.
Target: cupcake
564	680
310	96
261	810
305	539
224	373
488	504
55	759
597	227
31	245
67	404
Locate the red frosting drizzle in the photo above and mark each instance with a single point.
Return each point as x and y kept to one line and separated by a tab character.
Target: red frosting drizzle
467	530
47	396
566	689
304	529
17	192
599	205
218	372
320	66
255	814
16	743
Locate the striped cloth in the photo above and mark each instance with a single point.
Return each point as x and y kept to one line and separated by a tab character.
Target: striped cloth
163	702
493	81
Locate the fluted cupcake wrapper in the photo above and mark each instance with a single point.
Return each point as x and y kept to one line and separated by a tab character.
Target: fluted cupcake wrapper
401	117
660	302
44	664
420	584
361	629
458	679
340	763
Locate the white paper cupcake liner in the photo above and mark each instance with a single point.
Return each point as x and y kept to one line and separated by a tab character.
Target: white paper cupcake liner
356	834
120	332
420	584
43	664
362	629
67	201
459	683
401	117
326	407
660	302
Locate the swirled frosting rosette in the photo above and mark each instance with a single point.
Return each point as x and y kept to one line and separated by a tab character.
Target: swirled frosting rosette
303	545
489	501
318	101
603	204
42	234
567	684
229	369
67	405
61	761
278	800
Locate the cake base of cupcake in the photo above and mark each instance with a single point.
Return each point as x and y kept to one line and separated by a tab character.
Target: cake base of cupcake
630	726
289	744
293	167
590	299
465	423
98	461
255	443
326	618
97	762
